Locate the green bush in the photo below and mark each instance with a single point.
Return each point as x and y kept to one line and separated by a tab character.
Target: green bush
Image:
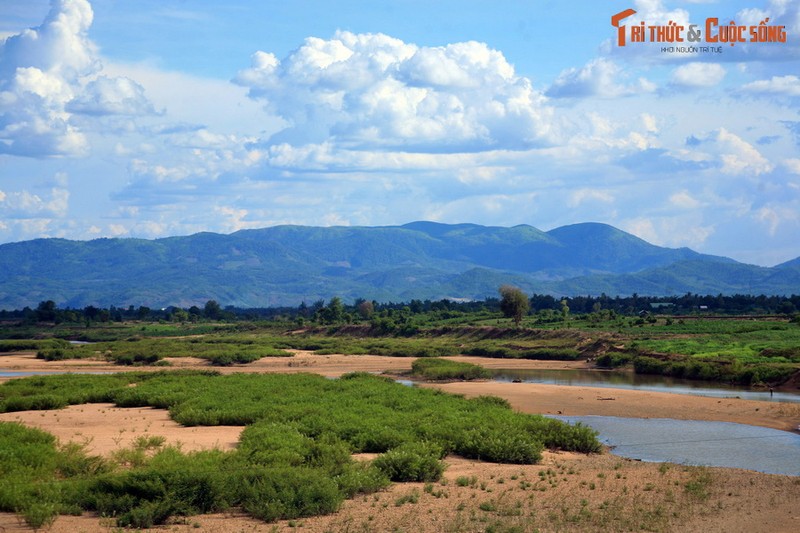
436	369
283	493
171	484
543	354
413	461
52	354
23	345
294	458
649	365
613	360
499	445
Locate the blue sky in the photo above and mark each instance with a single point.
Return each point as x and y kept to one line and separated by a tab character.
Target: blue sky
158	118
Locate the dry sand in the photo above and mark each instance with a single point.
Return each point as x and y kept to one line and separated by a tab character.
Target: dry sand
567	492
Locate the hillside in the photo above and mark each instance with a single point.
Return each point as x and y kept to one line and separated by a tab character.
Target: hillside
285	265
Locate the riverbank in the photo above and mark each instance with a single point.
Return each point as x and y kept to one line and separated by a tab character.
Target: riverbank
567	492
580	401
527	397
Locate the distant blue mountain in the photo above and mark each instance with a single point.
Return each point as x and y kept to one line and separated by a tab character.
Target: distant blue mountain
286	265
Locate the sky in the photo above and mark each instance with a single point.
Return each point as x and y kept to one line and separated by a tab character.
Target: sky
157	118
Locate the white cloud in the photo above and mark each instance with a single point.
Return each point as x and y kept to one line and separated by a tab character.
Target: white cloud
234	219
698	74
793	165
26	205
740	157
46	74
654	12
600	77
60	45
371	90
673	231
684	200
650	123
216	105
581	196
734	155
111	96
788	85
773	216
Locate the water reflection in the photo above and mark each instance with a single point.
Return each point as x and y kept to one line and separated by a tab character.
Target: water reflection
695	442
629	380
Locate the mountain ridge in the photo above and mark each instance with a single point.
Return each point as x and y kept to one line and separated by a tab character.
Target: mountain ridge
289	264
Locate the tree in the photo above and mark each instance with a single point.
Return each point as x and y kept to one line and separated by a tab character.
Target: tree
513	303
212	310
335	310
365	309
46	312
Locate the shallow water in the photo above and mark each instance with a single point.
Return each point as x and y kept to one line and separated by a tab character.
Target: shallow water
695	442
629	380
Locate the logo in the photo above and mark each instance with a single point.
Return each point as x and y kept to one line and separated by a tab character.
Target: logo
712	32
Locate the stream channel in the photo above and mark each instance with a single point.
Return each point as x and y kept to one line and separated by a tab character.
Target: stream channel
691	442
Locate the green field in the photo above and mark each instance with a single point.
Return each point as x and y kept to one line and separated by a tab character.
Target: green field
294	456
739	350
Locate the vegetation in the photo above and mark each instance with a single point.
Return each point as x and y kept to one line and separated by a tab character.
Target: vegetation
647	334
513	303
294	457
436	369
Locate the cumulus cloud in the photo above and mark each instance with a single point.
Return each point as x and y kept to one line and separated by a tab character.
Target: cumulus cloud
731	153
112	96
776	13
673	231
580	196
375	91
773	216
793	165
788	85
684	200
26	205
698	75
59	46
740	157
48	73
600	77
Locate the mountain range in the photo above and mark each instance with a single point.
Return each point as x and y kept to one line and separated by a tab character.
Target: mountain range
287	265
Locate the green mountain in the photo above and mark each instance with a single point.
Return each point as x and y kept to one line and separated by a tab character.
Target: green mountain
285	265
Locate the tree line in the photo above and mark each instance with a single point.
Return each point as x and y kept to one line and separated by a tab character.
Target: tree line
512	302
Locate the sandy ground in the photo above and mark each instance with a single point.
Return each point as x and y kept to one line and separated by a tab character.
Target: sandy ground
302	361
567	492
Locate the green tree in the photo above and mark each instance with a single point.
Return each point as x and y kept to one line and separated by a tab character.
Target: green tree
46	312
335	310
513	303
366	309
212	310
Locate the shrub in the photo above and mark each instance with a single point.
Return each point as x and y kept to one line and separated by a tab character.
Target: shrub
649	365
436	369
544	354
52	354
283	493
414	461
499	445
613	360
171	484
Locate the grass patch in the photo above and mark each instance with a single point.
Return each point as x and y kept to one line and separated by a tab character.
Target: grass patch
295	455
436	369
